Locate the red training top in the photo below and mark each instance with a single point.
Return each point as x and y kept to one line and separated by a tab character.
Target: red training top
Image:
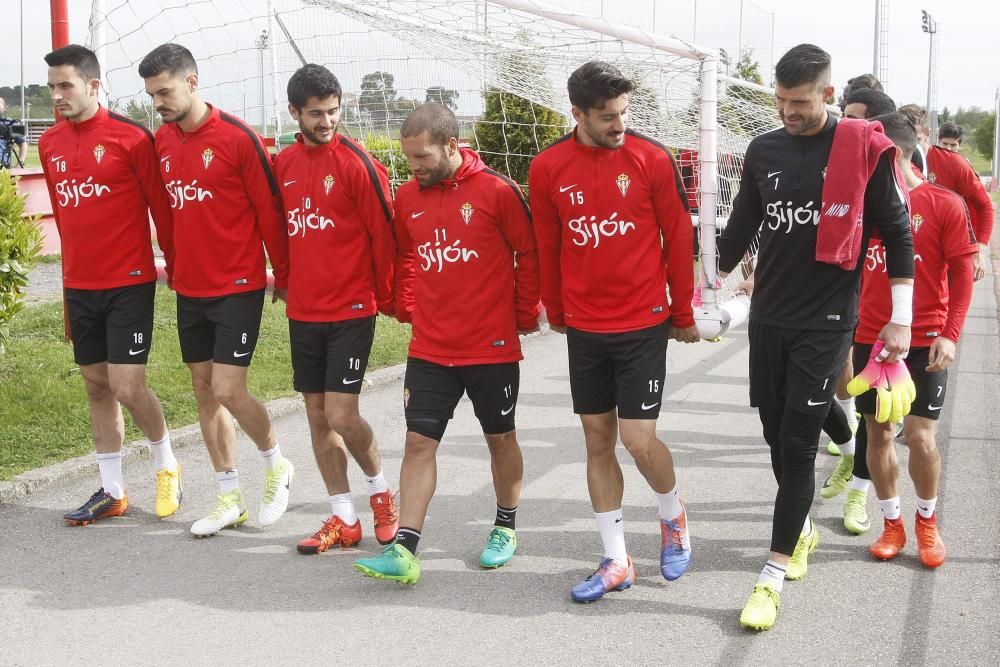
613	232
341	250
225	201
953	171
943	244
103	182
466	268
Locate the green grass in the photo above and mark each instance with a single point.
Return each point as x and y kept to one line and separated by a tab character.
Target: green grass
32	158
979	163
43	407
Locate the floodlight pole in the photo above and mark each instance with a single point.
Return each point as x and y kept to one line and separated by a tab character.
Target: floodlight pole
22	57
98	41
261	43
929	25
995	183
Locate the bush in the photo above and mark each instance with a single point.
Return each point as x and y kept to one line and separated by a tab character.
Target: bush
20	244
388	152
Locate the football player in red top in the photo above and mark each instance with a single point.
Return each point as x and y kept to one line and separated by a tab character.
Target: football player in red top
614	238
224	198
944	248
101	171
467	278
341	251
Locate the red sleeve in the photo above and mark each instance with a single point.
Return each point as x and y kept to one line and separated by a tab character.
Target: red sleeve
960	275
516	228
43	155
669	201
374	201
405	269
262	190
548	237
146	164
979	203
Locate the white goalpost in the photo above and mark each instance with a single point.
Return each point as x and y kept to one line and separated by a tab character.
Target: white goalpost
502	65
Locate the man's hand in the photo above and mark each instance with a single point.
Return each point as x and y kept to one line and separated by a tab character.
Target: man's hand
746	287
941	355
279	295
688	335
557	328
980	262
897	342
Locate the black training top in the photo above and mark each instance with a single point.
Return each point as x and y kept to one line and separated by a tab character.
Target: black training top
780	195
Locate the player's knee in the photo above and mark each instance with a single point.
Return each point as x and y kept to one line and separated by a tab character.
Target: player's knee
228	393
97	388
342	419
639	445
422	443
128	393
921	442
499	442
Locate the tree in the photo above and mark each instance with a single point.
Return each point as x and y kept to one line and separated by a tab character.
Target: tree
442	95
378	95
512	129
20	243
945	115
402	107
984	136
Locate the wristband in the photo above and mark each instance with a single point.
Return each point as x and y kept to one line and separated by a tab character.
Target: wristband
902	305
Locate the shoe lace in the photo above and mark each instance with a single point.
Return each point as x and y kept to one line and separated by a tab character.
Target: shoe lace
163	486
271	481
498	540
674	534
223	504
605	564
385	512
330	532
926	532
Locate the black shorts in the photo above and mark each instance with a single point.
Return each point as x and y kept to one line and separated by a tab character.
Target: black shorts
330	356
113	325
795	368
223	329
431	392
623	370
931	387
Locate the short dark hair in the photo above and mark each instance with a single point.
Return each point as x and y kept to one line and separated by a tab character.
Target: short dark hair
172	58
802	64
80	57
951	130
593	83
902	132
863	81
916	113
437	120
876	102
312	81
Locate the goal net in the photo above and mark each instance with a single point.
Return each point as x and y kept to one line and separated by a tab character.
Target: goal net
501	65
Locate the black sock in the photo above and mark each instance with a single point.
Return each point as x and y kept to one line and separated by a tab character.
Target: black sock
408	537
505	517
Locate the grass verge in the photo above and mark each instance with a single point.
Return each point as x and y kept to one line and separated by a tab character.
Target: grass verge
43	407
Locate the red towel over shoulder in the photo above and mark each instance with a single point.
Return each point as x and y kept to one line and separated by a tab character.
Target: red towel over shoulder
857	147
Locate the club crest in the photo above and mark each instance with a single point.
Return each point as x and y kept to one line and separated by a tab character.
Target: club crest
917	221
932	177
623	181
466	211
207	156
328	183
98	153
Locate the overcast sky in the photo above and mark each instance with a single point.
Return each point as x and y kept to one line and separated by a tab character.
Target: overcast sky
969	68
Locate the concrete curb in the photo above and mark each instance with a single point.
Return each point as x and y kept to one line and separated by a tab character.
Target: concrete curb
39	479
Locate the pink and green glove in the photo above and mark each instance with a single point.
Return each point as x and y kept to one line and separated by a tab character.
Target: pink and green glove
894	388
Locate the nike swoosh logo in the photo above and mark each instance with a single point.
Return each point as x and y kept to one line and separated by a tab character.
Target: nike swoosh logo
414	216
567	188
164	159
618	520
56	158
287	183
346	381
132	353
507	411
772	174
240	354
649	407
931	407
812	403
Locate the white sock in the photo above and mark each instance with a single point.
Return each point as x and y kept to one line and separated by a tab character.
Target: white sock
847	448
110	465
859	484
773	575
890	508
612	529
272	457
807	526
342	505
163	455
228	480
926	507
377	484
847	404
670	504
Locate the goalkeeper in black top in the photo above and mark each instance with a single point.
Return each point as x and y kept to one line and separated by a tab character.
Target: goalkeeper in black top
804	311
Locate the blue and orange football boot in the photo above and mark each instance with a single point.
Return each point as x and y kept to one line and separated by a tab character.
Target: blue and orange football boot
100	506
675	546
609	576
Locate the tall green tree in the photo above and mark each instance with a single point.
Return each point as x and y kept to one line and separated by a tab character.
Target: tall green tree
442	95
984	136
378	95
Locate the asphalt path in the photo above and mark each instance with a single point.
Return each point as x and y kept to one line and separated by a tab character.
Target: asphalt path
137	590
